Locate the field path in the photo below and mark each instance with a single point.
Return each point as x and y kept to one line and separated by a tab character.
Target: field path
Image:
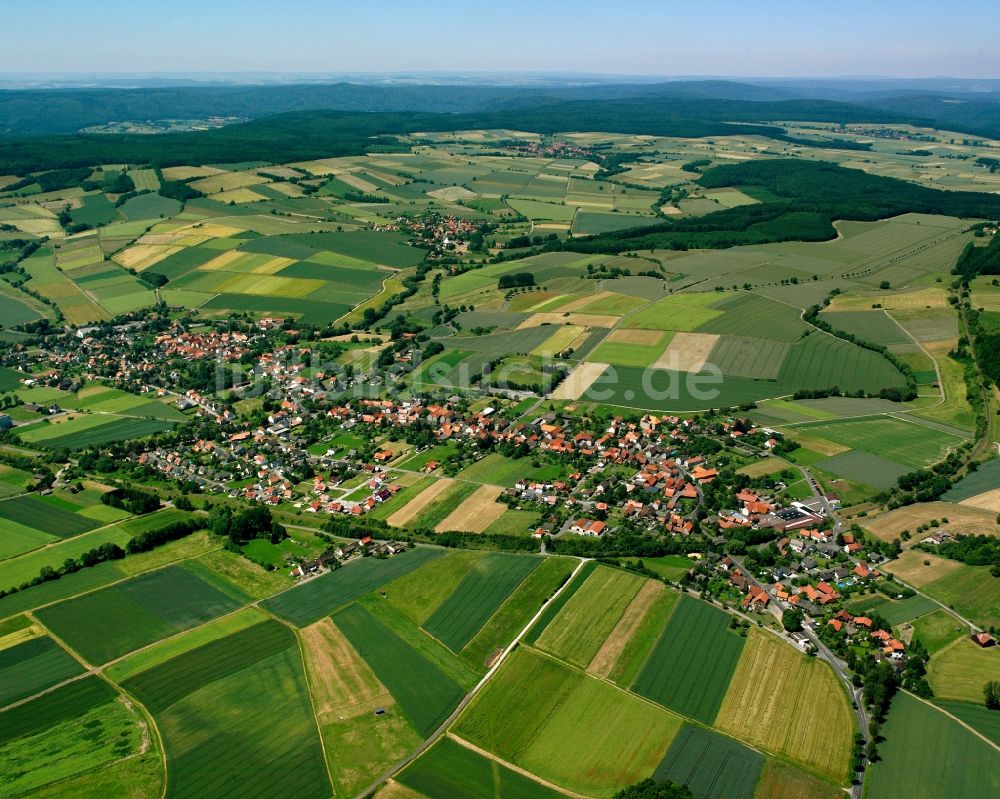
443	728
957	720
534	777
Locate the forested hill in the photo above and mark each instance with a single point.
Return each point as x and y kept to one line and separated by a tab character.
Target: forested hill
800	202
39	112
314	134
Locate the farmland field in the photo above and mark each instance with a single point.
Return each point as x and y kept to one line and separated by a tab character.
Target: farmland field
801	711
779	781
571	729
424	693
960	670
76	739
33	666
486	585
983	721
360	744
690	667
911	445
113	621
449	769
711	766
517	610
253	679
927	754
34	512
581	627
419	593
322	595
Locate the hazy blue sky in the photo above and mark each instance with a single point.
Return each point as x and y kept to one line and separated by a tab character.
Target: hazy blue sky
916	38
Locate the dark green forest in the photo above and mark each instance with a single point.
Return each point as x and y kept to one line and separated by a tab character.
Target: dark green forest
812	195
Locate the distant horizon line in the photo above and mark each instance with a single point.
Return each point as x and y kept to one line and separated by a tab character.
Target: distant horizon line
480	72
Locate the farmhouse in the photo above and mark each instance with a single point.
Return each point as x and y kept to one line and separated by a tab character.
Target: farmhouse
984	639
588	527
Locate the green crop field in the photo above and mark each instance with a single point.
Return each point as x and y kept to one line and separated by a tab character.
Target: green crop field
17	571
33	666
571	729
114	621
500	470
822	361
517	610
690	667
419	593
96	737
985	478
754	316
424	693
552	609
56	590
749	357
904	442
485	587
449	770
713	767
684	312
982	720
971	591
874	326
625	353
863	467
254	681
33	512
85	432
579	629
927	754
322	595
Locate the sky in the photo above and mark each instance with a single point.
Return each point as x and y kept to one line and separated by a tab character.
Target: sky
748	38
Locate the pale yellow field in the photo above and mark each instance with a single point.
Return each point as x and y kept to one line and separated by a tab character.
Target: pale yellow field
563	337
419	503
226	181
961	519
764	466
790	704
142	256
909	567
237	195
271	285
578	381
613	645
288	189
558	318
188	172
476	513
931	297
341	682
989	501
452	193
648	337
687	352
820	445
585	301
